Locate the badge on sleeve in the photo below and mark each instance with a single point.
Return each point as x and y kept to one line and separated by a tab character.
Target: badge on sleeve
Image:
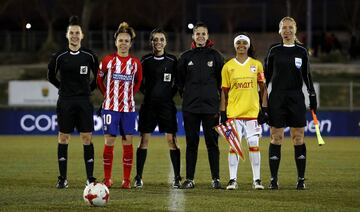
83	69
167	77
210	63
298	62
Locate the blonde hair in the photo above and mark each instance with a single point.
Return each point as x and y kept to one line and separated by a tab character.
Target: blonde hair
125	28
288	18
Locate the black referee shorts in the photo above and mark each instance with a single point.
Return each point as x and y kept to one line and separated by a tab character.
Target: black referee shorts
287	109
75	112
162	114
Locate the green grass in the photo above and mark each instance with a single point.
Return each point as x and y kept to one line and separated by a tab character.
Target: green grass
28	174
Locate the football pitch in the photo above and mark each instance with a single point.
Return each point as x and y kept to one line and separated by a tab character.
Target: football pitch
28	174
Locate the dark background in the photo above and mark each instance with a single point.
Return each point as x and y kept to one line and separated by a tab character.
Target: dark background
49	19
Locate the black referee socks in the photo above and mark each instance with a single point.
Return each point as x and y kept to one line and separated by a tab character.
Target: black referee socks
140	161
274	160
300	159
89	159
175	160
62	159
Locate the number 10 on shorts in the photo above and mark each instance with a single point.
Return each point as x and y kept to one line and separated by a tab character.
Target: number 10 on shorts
107	119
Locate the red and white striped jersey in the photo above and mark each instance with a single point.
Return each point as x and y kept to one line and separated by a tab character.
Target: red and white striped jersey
118	79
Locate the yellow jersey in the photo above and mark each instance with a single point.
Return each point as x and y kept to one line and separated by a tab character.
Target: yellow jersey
242	81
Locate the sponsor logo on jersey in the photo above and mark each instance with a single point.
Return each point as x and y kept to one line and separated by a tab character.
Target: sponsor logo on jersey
83	69
167	77
123	77
253	69
298	62
190	63
210	63
241	85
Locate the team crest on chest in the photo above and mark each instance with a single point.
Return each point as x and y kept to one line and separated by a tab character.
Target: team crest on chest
210	63
253	69
130	67
298	62
83	69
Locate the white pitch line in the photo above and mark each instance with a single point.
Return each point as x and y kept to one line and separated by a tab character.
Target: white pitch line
176	196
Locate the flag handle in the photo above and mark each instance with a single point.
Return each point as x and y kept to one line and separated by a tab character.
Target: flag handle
317	130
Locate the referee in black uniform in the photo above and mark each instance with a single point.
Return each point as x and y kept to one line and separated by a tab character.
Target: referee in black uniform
199	82
287	67
158	108
73	66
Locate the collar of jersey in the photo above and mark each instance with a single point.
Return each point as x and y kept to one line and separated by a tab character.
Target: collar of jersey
159	57
242	64
287	45
122	58
74	53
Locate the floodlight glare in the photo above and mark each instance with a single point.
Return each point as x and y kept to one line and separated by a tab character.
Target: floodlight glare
190	26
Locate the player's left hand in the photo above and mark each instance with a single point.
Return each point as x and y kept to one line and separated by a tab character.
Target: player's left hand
313	102
263	116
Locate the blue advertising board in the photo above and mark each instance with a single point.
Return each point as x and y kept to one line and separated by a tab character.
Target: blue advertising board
44	122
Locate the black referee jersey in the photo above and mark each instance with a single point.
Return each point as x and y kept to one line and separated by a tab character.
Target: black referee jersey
159	75
74	70
287	67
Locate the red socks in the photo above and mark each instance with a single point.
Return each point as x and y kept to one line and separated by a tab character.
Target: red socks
127	160
108	156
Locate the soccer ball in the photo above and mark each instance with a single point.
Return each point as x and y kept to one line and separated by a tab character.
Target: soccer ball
96	194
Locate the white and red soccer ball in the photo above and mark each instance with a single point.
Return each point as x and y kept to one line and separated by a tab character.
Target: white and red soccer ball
96	194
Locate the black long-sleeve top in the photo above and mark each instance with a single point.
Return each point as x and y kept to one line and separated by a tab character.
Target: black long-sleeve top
199	78
159	76
74	69
287	67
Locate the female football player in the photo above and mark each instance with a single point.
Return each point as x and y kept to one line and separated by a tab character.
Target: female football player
119	78
242	76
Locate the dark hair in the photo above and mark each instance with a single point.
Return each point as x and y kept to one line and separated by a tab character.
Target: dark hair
157	30
125	28
74	20
251	50
199	24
